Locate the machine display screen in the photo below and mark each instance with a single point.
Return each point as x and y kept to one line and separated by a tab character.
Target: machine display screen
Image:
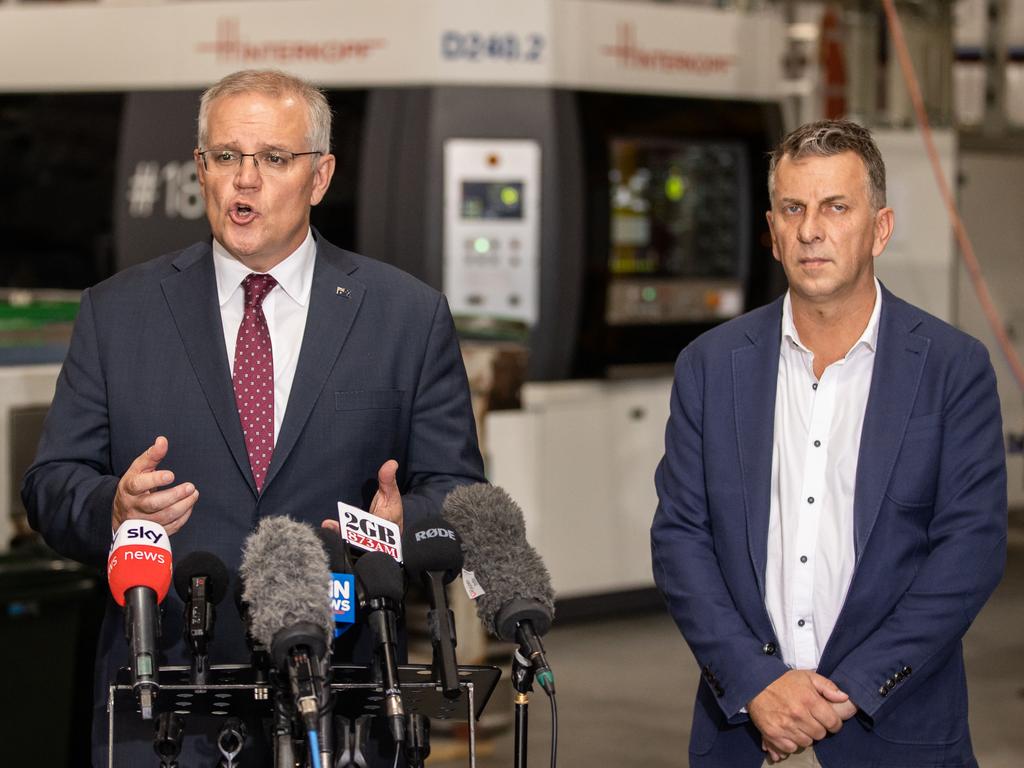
675	208
679	230
492	200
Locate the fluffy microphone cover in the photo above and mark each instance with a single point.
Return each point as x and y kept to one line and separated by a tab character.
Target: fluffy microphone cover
493	534
285	578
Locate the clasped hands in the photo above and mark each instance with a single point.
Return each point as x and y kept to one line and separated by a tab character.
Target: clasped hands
145	492
796	710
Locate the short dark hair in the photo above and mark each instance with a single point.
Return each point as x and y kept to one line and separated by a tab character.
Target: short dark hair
826	138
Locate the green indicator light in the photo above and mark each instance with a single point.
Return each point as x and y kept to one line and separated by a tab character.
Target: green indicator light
674	188
481	245
509	196
650	293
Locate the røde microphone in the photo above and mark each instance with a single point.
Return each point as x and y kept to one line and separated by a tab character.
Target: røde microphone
433	556
382	583
201	581
517	603
139	573
284	574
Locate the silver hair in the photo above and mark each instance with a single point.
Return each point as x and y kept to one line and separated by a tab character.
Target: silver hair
826	138
275	84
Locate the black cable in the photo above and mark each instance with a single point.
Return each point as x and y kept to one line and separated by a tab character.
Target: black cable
554	731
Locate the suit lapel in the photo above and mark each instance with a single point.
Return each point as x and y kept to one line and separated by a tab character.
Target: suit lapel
334	301
899	362
191	295
755	372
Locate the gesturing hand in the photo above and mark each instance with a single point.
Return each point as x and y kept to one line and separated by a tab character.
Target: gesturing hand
387	501
138	497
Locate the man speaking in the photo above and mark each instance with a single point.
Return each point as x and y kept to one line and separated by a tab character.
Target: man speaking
265	372
832	499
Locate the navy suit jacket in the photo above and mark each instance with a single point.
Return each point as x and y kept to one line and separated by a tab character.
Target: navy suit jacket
929	536
379	376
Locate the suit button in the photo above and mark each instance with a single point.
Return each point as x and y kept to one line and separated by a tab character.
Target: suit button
906	671
890	684
768	649
883	691
898	676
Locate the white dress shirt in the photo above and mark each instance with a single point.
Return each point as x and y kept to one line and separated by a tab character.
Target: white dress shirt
818	425
285	308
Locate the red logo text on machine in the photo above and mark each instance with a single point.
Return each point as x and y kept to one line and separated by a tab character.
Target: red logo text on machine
229	46
628	53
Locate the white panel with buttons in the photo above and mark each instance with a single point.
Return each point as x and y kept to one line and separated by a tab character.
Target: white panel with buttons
492	228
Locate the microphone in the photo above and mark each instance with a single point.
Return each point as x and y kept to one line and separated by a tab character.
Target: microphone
342	584
382	582
284	572
139	574
517	603
433	556
201	581
341	598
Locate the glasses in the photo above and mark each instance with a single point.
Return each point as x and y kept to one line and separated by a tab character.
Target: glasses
272	162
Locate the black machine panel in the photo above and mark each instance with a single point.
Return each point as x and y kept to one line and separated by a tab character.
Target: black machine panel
676	238
59	155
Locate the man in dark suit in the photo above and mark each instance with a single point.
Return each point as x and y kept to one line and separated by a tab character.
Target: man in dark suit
832	499
265	373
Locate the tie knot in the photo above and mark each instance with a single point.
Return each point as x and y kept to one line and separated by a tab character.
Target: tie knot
256	288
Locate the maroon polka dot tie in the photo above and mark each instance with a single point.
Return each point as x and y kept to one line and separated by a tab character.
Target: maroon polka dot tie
254	377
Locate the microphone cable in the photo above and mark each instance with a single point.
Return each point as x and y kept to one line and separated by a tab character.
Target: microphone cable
314	748
554	730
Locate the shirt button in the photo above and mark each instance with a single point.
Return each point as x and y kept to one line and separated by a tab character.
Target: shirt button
817	443
814	385
803	558
810	499
801	623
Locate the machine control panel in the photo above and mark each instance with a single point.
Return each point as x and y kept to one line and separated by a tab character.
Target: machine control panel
658	301
492	228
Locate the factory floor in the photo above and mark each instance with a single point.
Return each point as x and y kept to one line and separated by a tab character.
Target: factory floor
625	690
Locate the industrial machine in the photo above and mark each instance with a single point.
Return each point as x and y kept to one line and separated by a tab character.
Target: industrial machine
585	181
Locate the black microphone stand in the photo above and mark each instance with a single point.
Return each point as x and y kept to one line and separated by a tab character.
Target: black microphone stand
284	746
170	732
199	618
230	741
417	745
522	684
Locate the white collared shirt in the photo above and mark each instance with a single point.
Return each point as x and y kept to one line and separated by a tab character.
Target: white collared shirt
818	426
285	308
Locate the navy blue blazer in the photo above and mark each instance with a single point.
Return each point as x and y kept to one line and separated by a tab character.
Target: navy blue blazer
930	538
379	376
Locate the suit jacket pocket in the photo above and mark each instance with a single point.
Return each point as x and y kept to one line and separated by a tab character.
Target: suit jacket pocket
368	399
926	425
915	474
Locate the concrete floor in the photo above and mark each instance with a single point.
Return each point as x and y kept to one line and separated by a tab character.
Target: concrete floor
625	690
